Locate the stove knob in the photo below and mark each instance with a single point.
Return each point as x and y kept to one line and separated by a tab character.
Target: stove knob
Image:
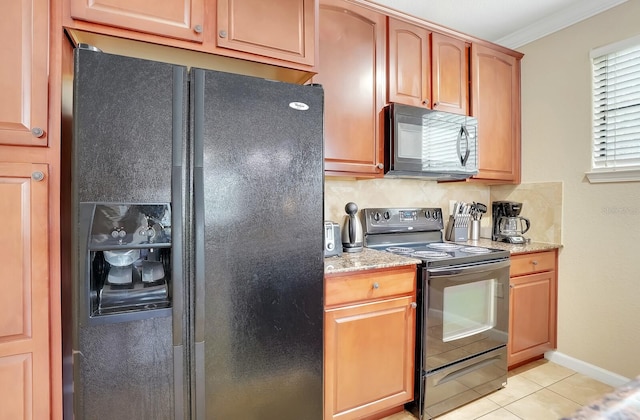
387	216
376	216
427	214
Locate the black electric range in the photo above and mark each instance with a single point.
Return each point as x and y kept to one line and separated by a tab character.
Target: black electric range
417	232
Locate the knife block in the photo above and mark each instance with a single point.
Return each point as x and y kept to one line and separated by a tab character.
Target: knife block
456	233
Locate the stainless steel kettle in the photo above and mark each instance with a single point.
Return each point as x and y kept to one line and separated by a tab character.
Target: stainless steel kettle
352	234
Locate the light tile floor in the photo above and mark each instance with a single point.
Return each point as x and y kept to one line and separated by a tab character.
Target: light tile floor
540	390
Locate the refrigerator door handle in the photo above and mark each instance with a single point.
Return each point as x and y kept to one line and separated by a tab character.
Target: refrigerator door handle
178	238
197	109
198	202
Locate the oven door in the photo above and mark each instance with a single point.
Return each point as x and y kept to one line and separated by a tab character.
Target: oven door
466	312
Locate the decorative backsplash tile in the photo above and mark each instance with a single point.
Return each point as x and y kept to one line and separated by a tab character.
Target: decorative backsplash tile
541	204
392	192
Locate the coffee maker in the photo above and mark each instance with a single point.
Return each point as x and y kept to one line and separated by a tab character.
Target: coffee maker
508	226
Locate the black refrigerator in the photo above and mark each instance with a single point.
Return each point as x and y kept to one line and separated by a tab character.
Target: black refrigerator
196	245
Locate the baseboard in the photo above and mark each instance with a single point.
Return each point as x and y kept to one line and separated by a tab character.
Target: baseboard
587	369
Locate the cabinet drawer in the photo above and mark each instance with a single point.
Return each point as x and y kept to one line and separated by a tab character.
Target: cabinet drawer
369	285
532	263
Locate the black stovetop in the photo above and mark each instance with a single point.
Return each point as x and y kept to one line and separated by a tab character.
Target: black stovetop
417	232
441	254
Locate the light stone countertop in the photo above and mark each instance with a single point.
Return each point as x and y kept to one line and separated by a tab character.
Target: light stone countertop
512	248
370	259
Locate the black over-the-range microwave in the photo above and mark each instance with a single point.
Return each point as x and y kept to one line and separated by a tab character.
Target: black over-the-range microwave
423	143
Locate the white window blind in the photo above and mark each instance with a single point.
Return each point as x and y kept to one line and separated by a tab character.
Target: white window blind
616	107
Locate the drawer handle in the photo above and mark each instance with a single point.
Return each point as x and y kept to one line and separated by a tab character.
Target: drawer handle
534	262
376	285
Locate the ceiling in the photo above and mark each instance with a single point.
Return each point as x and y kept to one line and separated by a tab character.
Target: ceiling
510	23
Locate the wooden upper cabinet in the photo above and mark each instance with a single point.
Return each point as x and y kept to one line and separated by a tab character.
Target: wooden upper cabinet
495	84
409	72
283	29
182	19
24	72
24	301
449	74
352	71
427	69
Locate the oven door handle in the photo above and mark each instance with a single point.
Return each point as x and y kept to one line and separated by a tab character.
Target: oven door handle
468	269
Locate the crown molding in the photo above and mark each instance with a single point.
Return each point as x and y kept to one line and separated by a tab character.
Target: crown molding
571	15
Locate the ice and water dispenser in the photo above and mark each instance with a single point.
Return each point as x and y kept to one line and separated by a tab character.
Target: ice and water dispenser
128	260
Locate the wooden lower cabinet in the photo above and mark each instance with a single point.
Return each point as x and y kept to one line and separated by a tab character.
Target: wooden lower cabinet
24	301
369	344
533	306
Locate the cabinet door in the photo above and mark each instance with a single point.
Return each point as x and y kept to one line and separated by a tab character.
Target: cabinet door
369	357
283	29
495	83
182	19
24	301
449	74
532	317
409	70
23	72
352	72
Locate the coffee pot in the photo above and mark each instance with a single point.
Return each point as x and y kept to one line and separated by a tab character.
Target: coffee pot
352	233
513	226
508	225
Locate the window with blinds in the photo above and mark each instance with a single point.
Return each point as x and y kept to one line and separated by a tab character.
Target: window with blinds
616	108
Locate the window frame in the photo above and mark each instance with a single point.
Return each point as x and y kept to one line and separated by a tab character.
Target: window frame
609	174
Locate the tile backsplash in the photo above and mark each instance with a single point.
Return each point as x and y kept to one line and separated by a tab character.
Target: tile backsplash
542	202
392	192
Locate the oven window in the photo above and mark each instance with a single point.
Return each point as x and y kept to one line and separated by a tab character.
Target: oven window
468	309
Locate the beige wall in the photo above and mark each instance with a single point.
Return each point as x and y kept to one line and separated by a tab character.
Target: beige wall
599	274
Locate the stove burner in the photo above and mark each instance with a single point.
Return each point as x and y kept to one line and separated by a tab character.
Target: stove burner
399	250
476	250
444	246
430	254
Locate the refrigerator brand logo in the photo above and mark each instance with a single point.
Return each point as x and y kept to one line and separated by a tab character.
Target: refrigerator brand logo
299	106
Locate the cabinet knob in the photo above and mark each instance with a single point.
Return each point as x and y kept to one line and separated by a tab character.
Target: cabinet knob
222	34
197	29
414	305
376	285
380	165
37	132
425	102
37	176
534	262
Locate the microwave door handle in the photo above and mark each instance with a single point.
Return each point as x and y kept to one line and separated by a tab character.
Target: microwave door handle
463	133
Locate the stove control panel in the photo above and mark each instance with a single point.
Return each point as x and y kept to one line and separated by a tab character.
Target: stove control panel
389	220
